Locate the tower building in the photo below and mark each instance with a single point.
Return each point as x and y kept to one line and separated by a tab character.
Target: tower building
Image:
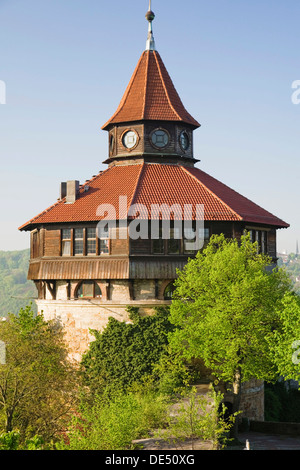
85	262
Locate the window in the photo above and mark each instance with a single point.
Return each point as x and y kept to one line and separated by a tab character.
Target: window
189	240
89	290
78	241
264	242
160	138
91	241
130	139
66	242
184	140
104	240
85	241
190	244
261	237
158	245
174	242
169	291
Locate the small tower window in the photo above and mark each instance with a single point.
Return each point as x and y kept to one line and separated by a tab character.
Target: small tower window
89	290
130	139
184	140
160	138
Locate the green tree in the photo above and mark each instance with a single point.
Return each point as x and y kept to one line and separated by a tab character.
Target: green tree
284	342
37	383
226	308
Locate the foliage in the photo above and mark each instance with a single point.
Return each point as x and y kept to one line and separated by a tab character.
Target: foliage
37	383
282	402
172	373
226	307
125	353
284	342
292	266
199	417
15	289
112	423
11	441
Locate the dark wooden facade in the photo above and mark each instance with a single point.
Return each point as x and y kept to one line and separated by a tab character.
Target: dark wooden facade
127	260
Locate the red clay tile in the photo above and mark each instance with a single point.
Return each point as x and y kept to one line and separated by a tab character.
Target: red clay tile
148	184
151	95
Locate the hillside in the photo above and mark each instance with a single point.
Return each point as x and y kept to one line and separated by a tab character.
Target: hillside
15	290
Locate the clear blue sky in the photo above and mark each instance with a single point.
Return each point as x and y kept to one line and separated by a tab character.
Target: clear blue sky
66	64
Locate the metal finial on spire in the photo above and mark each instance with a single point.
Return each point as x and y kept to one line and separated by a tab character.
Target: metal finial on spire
150	44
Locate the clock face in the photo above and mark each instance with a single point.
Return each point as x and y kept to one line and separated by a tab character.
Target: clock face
184	140
160	138
130	139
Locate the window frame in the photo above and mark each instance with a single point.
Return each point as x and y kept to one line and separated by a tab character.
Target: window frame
95	286
89	238
84	241
259	235
64	239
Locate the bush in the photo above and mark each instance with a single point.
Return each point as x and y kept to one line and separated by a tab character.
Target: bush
12	441
282	403
199	417
112	424
125	353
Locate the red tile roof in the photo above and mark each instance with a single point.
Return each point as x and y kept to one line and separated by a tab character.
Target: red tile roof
151	95
147	184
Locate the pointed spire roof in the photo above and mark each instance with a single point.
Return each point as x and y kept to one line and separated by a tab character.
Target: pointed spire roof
151	95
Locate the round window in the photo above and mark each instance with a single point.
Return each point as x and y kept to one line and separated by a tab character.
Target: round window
184	140
160	138
130	139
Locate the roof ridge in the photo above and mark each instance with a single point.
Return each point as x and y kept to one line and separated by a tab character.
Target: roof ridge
137	183
211	192
164	85
242	196
146	84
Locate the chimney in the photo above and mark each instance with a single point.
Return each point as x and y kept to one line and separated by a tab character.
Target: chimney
72	189
63	190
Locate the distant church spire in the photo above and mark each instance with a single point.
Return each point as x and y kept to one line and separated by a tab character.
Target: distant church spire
150	44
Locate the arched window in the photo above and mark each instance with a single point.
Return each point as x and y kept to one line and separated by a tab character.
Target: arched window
88	290
169	290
